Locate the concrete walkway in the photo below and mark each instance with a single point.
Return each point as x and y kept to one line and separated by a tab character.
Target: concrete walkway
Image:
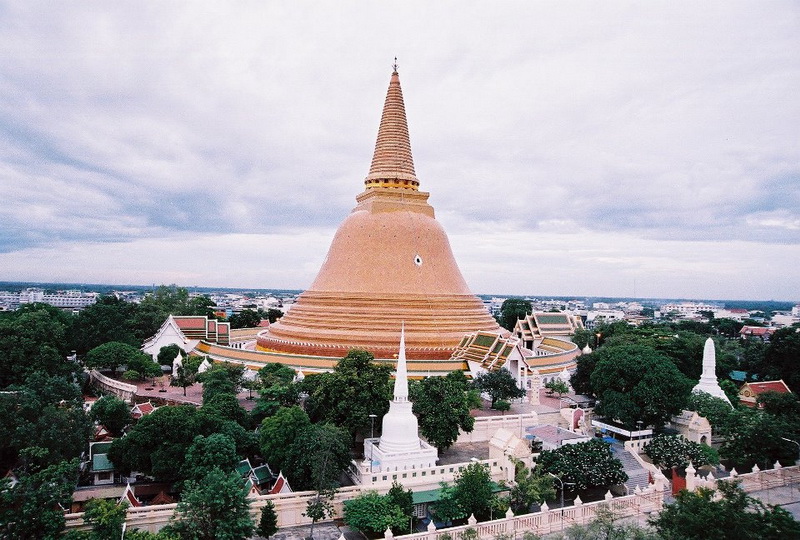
322	531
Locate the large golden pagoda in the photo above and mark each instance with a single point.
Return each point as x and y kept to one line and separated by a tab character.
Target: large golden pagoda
390	262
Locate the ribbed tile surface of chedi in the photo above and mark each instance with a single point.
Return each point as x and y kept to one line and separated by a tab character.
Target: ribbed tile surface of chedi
390	261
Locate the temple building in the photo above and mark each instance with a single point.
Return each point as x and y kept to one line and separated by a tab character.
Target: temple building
390	261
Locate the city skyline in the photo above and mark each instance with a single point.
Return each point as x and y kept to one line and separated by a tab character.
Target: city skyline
645	150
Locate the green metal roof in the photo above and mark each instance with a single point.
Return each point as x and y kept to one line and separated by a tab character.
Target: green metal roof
101	463
101	448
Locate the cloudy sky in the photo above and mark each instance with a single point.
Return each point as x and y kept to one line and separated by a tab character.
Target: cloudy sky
570	148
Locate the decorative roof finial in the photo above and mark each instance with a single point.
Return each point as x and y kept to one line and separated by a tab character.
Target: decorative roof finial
394	66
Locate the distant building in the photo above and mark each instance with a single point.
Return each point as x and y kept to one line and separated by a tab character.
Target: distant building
758	332
687	308
71	299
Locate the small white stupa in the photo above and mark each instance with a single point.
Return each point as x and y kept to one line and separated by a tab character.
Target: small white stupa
708	380
176	364
399	447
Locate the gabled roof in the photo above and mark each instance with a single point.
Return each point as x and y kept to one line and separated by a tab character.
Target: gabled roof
244	468
162	498
262	474
142	409
768	386
488	349
281	485
130	497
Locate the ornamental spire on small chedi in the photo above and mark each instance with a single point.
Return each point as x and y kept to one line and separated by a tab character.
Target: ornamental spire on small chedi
399	447
708	380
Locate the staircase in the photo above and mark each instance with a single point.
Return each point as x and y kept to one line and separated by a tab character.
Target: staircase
637	475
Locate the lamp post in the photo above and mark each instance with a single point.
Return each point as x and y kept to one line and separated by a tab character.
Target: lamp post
798	447
561	482
372	418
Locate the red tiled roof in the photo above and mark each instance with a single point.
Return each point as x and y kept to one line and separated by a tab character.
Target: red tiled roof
191	322
769	386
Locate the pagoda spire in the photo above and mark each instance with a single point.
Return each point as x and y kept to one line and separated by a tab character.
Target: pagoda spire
401	377
392	163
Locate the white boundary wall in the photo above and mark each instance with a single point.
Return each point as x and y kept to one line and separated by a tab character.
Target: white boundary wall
290	508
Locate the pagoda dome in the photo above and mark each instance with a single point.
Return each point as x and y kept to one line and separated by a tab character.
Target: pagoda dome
389	261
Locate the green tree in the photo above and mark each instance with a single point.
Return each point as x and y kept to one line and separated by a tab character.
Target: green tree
278	433
448	508
356	388
700	515
530	486
372	513
201	305
588	464
158	443
635	383
168	354
270	314
402	498
606	526
498	384
442	406
512	310
113	355
669	451
221	379
111	412
30	509
184	377
276	374
557	386
106	517
109	319
45	416
754	437
214	508
583	337
714	409
581	378
227	406
268	524
34	339
318	457
206	454
473	490
247	318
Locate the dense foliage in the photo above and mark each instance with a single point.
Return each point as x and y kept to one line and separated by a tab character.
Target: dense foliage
701	514
442	406
356	388
512	310
214	507
588	464
500	385
669	451
635	383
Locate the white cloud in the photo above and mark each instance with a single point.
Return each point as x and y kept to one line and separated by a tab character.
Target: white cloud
670	127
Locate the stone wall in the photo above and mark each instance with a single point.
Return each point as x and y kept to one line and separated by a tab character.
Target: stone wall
107	385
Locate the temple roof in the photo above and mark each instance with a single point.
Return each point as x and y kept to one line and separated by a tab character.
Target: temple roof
392	163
